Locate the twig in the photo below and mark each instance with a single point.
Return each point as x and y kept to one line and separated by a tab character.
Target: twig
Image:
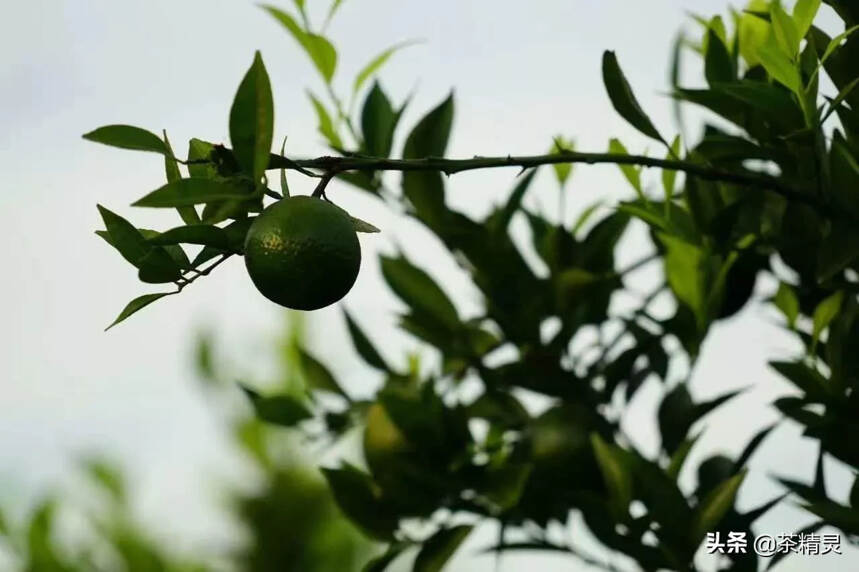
453	166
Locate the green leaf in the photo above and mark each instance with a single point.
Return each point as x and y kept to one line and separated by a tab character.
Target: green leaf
854	493
318	376
718	62
376	63
378	121
425	190
128	137
325	123
136	305
283	410
785	31
440	547
363	345
804	13
715	506
785	300
685	270
284	184
669	176
252	121
192	191
363	226
203	234
158	267
419	291
171	166
321	51
359	499
678	458
129	241
514	202
824	313
106	477
630	172
381	562
623	99
618	480
199	150
780	66
562	170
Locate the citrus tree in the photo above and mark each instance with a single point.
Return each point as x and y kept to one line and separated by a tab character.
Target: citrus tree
769	187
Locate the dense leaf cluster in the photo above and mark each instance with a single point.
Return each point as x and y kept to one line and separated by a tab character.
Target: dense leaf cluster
433	448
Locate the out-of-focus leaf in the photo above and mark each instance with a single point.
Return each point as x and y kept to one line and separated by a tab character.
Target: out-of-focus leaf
679	456
785	300
684	267
419	291
378	121
321	51
630	172
751	447
804	12
359	498
440	547
252	121
824	314
804	377
669	176
562	170
425	190
363	345
376	63
785	30
128	137
318	376
363	226
718	63
618	480
381	562
193	191
623	99
137	304
107	477
779	65
715	505
326	124
283	410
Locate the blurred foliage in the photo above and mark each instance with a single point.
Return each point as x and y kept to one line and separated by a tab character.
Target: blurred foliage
461	443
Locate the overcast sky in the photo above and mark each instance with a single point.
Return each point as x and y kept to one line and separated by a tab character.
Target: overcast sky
523	72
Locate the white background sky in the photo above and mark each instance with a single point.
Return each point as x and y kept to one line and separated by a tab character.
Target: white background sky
523	72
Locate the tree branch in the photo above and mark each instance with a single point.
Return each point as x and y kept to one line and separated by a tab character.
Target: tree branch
452	166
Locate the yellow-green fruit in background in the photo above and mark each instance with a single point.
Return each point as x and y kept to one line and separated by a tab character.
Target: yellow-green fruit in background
303	253
384	443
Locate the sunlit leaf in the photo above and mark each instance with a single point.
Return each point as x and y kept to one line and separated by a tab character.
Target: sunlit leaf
824	313
785	300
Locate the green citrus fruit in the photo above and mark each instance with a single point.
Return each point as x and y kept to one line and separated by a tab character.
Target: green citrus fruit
303	253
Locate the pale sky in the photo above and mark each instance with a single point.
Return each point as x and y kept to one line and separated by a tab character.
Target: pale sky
523	72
